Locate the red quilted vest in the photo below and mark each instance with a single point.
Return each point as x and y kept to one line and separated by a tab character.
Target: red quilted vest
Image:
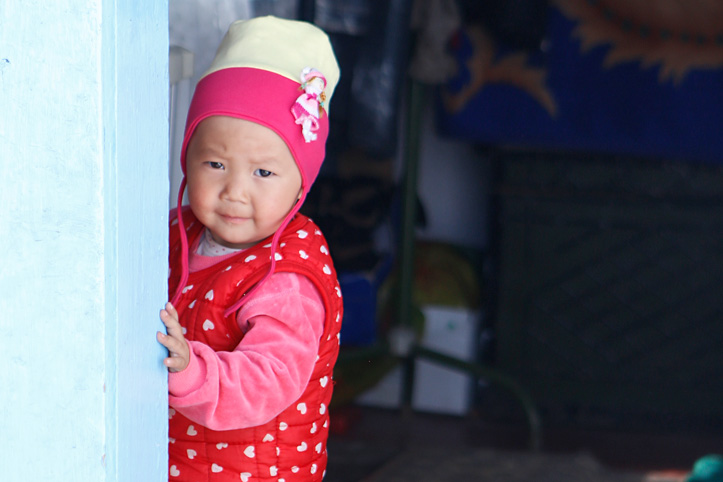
292	446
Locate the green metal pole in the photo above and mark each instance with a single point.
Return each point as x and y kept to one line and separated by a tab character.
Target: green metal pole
416	92
416	97
494	376
409	203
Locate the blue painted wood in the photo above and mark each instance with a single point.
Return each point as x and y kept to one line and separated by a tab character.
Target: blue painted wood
83	203
141	204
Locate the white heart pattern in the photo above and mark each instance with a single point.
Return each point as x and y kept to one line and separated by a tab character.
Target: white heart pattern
318	447
273	471
191	453
250	451
322	409
215	468
208	325
250	258
221	445
313	468
283	426
209	295
314	428
191	431
193	303
174	471
301	408
326	269
268	438
323	249
245	476
294	469
302	234
171	413
187	289
302	447
303	254
324	381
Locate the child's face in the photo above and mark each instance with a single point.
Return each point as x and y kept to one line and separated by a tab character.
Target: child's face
242	180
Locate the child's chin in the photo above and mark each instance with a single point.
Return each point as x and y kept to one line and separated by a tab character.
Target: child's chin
238	245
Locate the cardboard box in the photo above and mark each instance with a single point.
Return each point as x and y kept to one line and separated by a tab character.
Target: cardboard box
437	388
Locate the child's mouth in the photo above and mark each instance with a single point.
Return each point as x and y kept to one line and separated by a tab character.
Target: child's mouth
233	219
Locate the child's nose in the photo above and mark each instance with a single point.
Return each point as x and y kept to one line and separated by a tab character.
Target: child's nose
235	190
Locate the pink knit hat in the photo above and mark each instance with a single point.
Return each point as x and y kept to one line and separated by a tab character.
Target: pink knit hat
264	71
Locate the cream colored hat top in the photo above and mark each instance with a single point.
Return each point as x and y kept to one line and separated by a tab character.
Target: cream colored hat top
278	45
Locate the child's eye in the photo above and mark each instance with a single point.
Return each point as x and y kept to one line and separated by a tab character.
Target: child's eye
263	172
215	165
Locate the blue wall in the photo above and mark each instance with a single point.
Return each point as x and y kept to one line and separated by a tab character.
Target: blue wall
83	203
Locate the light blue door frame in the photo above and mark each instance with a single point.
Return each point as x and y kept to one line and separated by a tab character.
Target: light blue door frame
83	239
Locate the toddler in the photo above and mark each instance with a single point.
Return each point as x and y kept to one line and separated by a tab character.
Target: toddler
255	312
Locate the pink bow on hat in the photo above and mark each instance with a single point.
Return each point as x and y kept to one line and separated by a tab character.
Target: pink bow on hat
308	107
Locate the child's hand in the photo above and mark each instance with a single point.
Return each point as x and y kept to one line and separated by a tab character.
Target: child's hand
175	342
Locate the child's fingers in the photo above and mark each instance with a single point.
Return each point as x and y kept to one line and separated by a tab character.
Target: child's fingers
175	364
171	310
173	327
170	319
169	314
172	344
178	349
173	340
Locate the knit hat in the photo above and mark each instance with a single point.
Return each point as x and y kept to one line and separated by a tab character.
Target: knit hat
280	74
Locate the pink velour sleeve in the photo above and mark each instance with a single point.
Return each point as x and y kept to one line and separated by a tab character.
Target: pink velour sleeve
268	370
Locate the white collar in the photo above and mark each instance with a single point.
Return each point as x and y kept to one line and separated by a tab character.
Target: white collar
209	247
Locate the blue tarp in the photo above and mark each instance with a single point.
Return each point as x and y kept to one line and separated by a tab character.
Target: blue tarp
623	109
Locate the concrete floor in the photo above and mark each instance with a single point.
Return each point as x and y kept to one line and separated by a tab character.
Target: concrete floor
364	439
